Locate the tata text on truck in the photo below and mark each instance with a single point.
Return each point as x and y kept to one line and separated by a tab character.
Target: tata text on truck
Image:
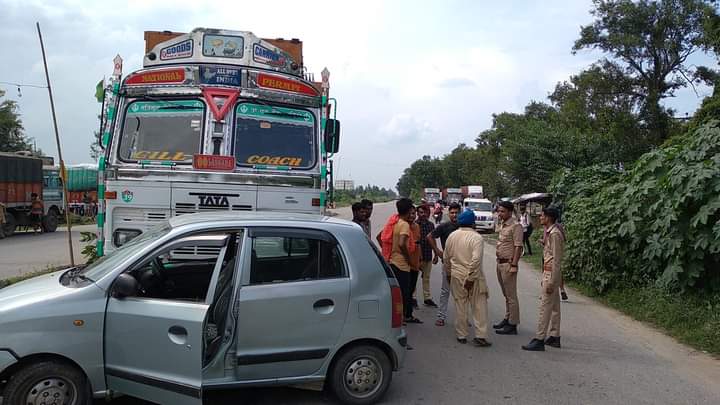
431	195
216	120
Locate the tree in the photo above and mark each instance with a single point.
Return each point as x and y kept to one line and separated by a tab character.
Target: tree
650	42
12	138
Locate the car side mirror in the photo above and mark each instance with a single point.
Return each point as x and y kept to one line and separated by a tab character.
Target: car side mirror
125	286
332	136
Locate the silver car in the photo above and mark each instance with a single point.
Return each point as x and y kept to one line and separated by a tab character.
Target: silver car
205	303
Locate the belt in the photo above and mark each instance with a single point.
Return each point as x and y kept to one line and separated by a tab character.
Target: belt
503	261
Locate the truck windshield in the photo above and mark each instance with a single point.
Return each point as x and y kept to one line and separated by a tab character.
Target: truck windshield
274	136
168	130
479	206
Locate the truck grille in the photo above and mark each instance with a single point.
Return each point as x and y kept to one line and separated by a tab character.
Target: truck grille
144	218
190	208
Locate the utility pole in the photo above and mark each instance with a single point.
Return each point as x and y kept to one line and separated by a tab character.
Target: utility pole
57	140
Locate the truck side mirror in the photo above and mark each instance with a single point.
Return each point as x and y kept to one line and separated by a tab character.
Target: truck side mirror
332	136
125	286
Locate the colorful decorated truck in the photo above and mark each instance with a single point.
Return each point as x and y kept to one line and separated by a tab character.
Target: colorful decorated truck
215	120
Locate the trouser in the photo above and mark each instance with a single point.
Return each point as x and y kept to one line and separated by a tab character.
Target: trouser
549	314
414	275
425	269
444	298
508	285
526	241
403	278
476	301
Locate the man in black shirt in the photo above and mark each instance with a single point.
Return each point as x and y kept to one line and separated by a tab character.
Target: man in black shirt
442	231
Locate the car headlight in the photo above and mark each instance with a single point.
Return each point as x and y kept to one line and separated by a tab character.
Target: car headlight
123	236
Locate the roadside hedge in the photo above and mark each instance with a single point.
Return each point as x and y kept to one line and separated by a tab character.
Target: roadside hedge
656	224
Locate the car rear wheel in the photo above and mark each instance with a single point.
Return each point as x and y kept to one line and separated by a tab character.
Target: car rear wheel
47	382
361	375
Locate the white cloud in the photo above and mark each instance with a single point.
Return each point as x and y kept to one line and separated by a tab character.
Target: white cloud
404	128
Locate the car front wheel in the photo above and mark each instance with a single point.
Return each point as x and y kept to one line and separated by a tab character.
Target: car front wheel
47	382
361	375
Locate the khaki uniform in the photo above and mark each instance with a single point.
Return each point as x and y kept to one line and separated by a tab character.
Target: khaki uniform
510	236
462	258
553	252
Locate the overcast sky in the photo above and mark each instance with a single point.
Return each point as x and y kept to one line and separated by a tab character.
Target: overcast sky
411	77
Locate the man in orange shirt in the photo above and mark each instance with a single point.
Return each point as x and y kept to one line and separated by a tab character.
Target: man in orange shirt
400	255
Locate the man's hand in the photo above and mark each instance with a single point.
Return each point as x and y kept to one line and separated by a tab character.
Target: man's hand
513	269
469	284
435	259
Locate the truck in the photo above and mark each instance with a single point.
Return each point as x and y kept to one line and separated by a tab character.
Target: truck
452	195
431	195
216	120
472	192
82	189
20	177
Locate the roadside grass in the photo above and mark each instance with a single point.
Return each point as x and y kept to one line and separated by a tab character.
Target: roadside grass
690	318
16	279
76	220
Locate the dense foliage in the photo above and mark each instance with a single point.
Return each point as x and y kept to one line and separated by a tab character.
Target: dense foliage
372	193
659	222
12	138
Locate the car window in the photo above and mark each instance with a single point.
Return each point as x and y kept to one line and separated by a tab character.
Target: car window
180	273
277	259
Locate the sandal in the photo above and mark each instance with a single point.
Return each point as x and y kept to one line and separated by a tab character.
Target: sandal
413	320
440	322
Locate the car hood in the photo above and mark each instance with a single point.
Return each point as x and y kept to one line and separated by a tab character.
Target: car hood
37	289
483	213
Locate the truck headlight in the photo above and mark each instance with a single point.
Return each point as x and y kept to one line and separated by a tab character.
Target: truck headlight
123	236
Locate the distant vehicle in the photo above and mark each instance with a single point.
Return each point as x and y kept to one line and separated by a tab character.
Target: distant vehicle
431	194
452	195
483	210
208	302
20	177
473	192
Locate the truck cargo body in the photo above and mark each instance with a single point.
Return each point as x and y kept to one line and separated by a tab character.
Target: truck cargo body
473	192
20	177
452	195
431	195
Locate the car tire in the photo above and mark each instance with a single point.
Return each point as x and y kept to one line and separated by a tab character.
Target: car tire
48	379
360	375
50	221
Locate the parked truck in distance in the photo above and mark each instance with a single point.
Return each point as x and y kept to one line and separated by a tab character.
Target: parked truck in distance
431	195
20	178
472	192
452	195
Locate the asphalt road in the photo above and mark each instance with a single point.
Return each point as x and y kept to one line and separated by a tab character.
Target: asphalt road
606	357
25	252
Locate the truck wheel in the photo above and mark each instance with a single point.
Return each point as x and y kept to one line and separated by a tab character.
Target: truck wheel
50	221
360	376
48	382
10	223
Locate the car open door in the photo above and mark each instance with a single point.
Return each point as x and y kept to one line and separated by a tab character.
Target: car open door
154	338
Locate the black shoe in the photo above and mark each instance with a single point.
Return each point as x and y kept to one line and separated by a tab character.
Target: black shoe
553	341
430	303
480	342
535	345
462	340
501	324
508	329
563	295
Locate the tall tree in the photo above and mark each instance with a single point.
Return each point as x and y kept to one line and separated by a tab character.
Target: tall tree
649	41
12	138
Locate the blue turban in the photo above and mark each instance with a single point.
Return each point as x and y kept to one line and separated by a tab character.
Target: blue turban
467	217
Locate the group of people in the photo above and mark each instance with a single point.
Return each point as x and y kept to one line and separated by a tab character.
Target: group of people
409	245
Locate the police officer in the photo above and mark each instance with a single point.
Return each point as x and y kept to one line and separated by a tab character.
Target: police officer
508	251
553	252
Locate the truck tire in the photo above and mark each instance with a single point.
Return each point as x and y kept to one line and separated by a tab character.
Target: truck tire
10	224
58	382
50	221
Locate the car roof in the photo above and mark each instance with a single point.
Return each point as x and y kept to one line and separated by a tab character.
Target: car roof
258	217
478	200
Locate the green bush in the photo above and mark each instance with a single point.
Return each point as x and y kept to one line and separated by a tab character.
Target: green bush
657	223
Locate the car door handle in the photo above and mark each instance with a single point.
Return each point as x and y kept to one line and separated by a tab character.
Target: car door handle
177	335
323	303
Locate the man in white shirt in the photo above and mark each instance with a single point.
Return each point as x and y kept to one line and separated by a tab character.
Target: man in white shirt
527	229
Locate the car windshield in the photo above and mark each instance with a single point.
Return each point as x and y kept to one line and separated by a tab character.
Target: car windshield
107	263
168	130
274	136
479	206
